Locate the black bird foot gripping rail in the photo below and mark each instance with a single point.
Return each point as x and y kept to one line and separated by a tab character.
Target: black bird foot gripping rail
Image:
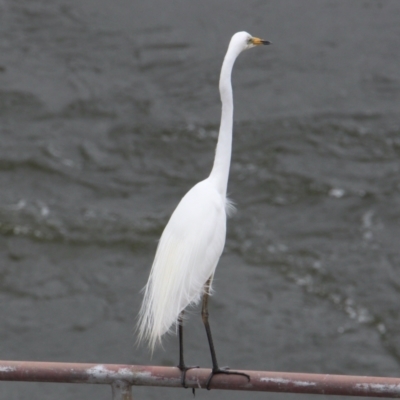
122	377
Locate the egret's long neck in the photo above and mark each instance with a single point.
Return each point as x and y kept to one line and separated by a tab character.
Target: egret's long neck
220	171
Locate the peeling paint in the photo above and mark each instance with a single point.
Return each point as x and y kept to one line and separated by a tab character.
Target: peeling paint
378	387
125	371
143	374
7	369
100	373
98	370
283	381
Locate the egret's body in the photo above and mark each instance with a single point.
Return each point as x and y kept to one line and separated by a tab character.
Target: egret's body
194	238
172	285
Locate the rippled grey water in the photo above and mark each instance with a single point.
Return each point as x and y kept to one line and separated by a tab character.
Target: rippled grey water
109	112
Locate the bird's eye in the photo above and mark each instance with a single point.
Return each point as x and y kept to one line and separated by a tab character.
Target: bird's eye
249	41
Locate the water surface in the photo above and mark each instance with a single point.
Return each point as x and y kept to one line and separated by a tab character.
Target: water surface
109	113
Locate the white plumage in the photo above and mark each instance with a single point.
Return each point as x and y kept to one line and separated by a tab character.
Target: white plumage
194	238
172	285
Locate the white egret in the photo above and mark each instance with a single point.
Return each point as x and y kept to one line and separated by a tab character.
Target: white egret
193	240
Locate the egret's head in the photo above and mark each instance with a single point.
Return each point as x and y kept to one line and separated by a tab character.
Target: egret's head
245	41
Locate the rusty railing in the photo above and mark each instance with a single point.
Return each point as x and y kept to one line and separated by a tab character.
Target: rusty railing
121	378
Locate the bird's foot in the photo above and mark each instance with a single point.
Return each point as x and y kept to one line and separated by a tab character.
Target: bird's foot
225	371
184	369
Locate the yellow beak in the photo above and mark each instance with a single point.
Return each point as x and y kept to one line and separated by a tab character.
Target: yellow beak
258	41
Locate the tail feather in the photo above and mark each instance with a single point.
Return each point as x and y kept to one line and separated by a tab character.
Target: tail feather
170	289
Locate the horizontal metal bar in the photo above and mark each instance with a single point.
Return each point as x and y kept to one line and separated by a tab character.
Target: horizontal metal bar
197	378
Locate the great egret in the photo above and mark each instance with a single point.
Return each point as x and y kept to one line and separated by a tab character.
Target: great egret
193	240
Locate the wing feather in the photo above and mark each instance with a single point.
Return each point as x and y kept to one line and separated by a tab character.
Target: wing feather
187	255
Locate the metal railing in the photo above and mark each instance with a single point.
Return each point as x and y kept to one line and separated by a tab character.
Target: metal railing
123	377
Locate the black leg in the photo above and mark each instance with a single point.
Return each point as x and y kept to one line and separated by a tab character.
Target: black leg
181	364
204	314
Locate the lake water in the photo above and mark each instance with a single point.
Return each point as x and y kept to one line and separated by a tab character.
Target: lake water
109	113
